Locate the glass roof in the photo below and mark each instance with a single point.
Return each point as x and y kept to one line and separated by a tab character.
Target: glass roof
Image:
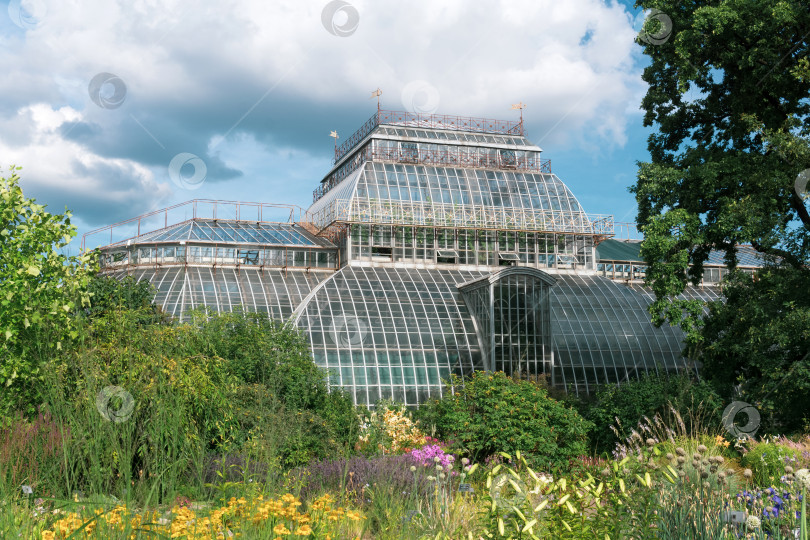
603	332
462	186
442	122
414	194
746	256
461	136
618	250
237	232
389	332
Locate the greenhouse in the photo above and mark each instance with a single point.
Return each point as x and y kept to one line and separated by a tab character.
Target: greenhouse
435	245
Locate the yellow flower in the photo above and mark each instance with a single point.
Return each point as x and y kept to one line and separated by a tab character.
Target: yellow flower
48	535
721	441
304	530
281	529
352	515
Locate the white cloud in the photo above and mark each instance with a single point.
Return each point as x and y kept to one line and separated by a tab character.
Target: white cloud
53	165
193	70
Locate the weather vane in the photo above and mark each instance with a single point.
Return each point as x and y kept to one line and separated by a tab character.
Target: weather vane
334	135
520	106
377	93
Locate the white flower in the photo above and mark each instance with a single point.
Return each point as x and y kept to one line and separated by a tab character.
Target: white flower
803	479
752	522
465	461
413	468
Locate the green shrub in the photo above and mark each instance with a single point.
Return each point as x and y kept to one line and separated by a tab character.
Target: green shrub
189	402
767	462
259	350
489	413
179	408
109	294
630	402
286	438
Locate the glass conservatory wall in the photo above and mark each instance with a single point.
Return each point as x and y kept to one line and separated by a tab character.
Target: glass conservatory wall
391	333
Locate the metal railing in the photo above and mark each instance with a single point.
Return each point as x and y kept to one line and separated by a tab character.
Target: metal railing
429	121
627	231
460	216
194	209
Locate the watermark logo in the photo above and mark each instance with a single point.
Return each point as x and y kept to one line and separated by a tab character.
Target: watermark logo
420	97
340	18
802	179
729	419
348	331
115	404
107	90
187	171
508	491
655	28
27	14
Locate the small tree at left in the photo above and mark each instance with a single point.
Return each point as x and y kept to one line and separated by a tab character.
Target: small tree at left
40	289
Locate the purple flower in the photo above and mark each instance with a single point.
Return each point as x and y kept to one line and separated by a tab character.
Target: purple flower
427	455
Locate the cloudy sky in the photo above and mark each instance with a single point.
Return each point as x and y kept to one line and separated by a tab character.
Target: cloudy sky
99	97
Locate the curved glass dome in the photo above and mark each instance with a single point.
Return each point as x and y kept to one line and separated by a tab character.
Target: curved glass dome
412	194
465	186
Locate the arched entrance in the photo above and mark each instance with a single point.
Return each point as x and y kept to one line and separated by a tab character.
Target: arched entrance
512	316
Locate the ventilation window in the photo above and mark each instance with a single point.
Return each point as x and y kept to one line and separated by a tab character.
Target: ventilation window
446	256
409	152
508	158
566	261
377	251
508	259
248	256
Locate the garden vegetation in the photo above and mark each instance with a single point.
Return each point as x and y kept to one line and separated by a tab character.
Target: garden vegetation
118	422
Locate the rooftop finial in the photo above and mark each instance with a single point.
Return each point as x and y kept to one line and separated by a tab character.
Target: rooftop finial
520	105
377	93
334	135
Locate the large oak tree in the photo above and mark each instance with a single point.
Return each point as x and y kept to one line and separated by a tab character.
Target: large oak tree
729	98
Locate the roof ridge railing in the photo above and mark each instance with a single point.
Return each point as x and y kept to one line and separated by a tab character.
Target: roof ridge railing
429	121
195	209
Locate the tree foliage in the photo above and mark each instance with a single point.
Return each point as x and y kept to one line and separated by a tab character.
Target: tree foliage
760	350
728	96
39	288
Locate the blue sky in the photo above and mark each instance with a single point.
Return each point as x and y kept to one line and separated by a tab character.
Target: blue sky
98	97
